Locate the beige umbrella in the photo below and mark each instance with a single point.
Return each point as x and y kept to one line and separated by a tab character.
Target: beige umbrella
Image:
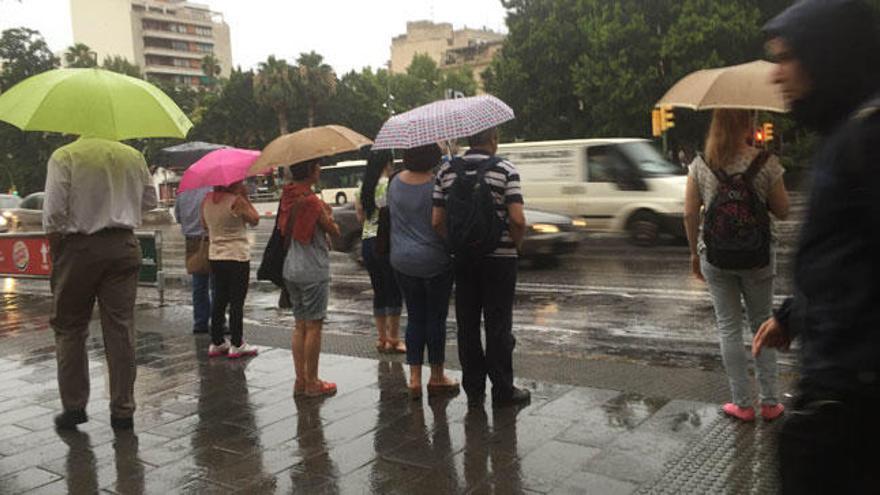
746	86
308	144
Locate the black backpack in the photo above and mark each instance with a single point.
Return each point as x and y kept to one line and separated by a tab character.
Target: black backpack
736	228
473	224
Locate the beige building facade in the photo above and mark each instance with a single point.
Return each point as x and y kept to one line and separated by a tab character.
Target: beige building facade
450	48
168	39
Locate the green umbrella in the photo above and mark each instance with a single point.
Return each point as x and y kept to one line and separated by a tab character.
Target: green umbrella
92	103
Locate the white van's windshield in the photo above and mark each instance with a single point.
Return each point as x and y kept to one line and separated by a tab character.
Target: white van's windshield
649	161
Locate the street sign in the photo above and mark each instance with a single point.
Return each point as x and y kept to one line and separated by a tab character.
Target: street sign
26	255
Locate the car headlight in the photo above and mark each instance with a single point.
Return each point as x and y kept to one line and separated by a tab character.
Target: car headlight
3	221
579	223
545	228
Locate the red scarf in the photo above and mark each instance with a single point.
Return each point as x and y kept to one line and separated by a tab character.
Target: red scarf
301	206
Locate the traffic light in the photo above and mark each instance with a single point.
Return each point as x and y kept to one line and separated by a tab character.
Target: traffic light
656	123
768	131
662	119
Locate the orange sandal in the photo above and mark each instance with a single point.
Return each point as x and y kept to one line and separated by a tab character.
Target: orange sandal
381	346
325	388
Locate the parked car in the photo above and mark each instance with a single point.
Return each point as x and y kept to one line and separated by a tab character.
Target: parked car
7	202
548	236
28	216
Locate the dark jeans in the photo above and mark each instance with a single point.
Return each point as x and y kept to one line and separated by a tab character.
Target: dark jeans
828	445
387	300
427	306
486	289
201	298
231	287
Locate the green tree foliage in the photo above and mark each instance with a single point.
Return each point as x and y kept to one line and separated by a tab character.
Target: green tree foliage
121	65
23	155
234	117
23	53
275	86
80	56
211	69
316	82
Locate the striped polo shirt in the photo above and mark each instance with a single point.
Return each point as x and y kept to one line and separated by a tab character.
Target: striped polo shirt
503	181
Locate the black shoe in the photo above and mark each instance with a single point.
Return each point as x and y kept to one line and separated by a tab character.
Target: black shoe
519	397
476	401
69	419
121	423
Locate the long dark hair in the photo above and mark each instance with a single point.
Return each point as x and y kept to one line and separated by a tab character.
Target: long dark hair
376	163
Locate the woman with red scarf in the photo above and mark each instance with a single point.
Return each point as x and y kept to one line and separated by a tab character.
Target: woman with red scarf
306	222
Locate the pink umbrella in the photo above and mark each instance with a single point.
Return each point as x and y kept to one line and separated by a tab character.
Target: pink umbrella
442	121
218	168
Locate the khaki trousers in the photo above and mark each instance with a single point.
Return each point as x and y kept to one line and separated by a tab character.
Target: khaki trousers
100	267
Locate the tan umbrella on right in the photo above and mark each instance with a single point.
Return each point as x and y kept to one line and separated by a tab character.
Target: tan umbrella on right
308	144
745	86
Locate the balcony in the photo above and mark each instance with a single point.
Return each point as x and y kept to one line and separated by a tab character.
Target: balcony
170	52
171	35
173	70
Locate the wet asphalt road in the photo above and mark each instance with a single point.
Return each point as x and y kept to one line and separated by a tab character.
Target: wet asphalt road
607	298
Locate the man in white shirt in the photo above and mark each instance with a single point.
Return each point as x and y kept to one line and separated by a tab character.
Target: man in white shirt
96	192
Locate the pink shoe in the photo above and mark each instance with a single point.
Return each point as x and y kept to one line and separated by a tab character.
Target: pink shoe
741	413
769	413
218	350
242	350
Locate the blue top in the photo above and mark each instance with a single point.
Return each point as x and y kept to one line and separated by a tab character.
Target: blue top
187	211
416	250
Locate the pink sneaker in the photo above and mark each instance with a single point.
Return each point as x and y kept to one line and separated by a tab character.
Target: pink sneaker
218	350
740	413
769	413
243	350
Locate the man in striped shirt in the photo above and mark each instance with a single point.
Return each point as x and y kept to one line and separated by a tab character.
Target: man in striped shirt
487	286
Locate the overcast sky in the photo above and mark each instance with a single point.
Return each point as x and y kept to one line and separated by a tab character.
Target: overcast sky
349	33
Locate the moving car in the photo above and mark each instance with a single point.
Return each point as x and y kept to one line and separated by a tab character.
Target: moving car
616	185
548	235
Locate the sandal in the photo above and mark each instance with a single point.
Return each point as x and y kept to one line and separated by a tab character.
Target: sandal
381	346
395	347
325	388
448	388
415	393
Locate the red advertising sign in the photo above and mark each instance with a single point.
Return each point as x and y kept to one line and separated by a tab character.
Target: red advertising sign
25	256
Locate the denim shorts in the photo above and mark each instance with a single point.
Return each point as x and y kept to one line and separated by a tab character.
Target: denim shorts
308	300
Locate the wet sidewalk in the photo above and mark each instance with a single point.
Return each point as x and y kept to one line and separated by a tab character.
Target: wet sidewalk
223	426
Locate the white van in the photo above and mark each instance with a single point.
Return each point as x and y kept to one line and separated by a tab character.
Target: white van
615	185
339	183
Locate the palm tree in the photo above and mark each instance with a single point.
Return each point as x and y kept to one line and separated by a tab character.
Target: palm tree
317	81
275	87
211	68
121	65
80	55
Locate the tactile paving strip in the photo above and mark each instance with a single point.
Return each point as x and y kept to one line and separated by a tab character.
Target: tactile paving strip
731	457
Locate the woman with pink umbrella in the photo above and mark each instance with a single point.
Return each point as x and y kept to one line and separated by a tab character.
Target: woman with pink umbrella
226	213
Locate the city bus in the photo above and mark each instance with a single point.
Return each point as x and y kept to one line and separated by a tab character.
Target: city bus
339	183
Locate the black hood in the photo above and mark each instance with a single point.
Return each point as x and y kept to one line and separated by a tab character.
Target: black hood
837	43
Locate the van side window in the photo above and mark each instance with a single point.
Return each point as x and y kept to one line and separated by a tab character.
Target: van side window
605	164
330	179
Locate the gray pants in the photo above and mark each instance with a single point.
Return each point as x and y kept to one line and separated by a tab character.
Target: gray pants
729	289
101	267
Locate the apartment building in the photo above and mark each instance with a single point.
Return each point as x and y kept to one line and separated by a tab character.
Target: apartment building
450	48
168	39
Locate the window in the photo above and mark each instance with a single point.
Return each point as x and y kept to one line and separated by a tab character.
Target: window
182	46
203	31
205	47
605	164
649	161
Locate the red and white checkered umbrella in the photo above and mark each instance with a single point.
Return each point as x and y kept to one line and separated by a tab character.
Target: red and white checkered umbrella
442	120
